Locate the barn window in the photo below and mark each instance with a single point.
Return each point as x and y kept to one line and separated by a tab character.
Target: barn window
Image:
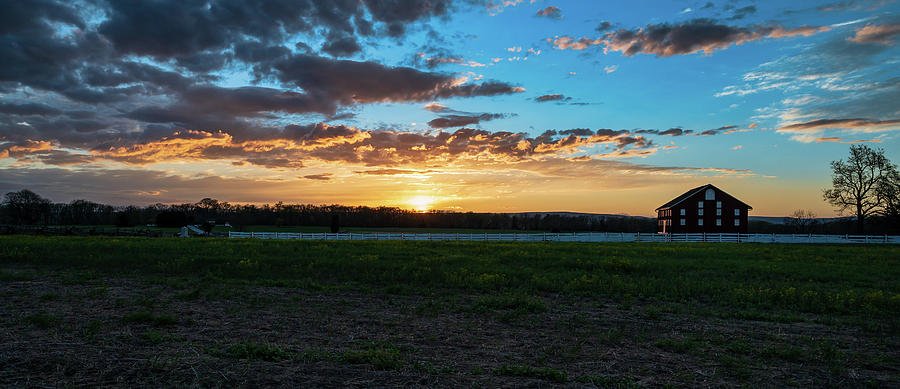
719	212
718	204
710	194
682	211
737	222
699	212
699	222
737	212
683	222
718	222
700	204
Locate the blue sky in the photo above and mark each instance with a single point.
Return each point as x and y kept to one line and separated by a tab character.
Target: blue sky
445	104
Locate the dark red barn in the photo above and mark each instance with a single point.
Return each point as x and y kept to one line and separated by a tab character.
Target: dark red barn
703	209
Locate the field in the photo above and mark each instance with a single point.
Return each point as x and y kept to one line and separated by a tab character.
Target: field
217	312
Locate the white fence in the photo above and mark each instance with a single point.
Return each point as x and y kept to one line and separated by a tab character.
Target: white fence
578	237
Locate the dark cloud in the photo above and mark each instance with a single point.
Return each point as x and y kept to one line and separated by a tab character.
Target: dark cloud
341	46
555	97
550	12
464	120
319	177
717	130
743	12
174	28
670	132
349	82
841	123
28	109
698	35
604	26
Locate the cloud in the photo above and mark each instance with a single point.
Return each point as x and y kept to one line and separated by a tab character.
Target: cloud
349	82
389	172
670	132
435	107
550	12
738	147
835	139
293	146
555	97
743	12
698	35
343	46
172	28
854	5
318	177
879	34
604	26
865	125
464	120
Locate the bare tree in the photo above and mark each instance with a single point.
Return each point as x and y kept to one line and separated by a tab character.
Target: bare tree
802	220
860	183
26	207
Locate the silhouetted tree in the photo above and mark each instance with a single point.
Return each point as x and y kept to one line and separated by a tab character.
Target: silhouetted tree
802	221
335	223
26	207
171	219
860	183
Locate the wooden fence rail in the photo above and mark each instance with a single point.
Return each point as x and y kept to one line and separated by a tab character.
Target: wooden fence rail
577	237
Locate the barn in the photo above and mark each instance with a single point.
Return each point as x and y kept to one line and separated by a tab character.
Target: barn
703	209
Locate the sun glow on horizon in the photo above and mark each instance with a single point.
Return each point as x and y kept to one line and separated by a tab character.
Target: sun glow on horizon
421	203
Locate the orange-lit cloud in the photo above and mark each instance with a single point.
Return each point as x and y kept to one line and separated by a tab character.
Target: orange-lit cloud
880	34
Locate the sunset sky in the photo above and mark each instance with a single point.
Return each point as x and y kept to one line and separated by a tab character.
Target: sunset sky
500	106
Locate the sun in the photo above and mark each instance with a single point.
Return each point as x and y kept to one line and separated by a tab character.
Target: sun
421	203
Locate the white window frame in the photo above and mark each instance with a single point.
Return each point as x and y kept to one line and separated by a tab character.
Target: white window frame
719	212
718	222
710	194
718	204
683	212
737	212
700	212
737	222
700	204
699	222
684	222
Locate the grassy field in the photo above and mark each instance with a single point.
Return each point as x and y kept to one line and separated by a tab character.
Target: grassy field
217	312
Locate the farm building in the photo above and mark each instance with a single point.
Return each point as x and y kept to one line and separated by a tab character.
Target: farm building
703	209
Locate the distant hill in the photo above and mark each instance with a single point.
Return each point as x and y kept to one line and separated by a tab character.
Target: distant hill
781	220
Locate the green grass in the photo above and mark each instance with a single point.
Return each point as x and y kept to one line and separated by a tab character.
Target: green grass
381	356
144	317
43	320
856	281
544	373
253	351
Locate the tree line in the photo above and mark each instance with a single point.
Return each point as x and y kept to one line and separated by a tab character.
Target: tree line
25	207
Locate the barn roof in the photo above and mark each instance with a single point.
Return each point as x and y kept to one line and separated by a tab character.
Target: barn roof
692	192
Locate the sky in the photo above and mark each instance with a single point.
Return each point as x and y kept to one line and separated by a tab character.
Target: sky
473	105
